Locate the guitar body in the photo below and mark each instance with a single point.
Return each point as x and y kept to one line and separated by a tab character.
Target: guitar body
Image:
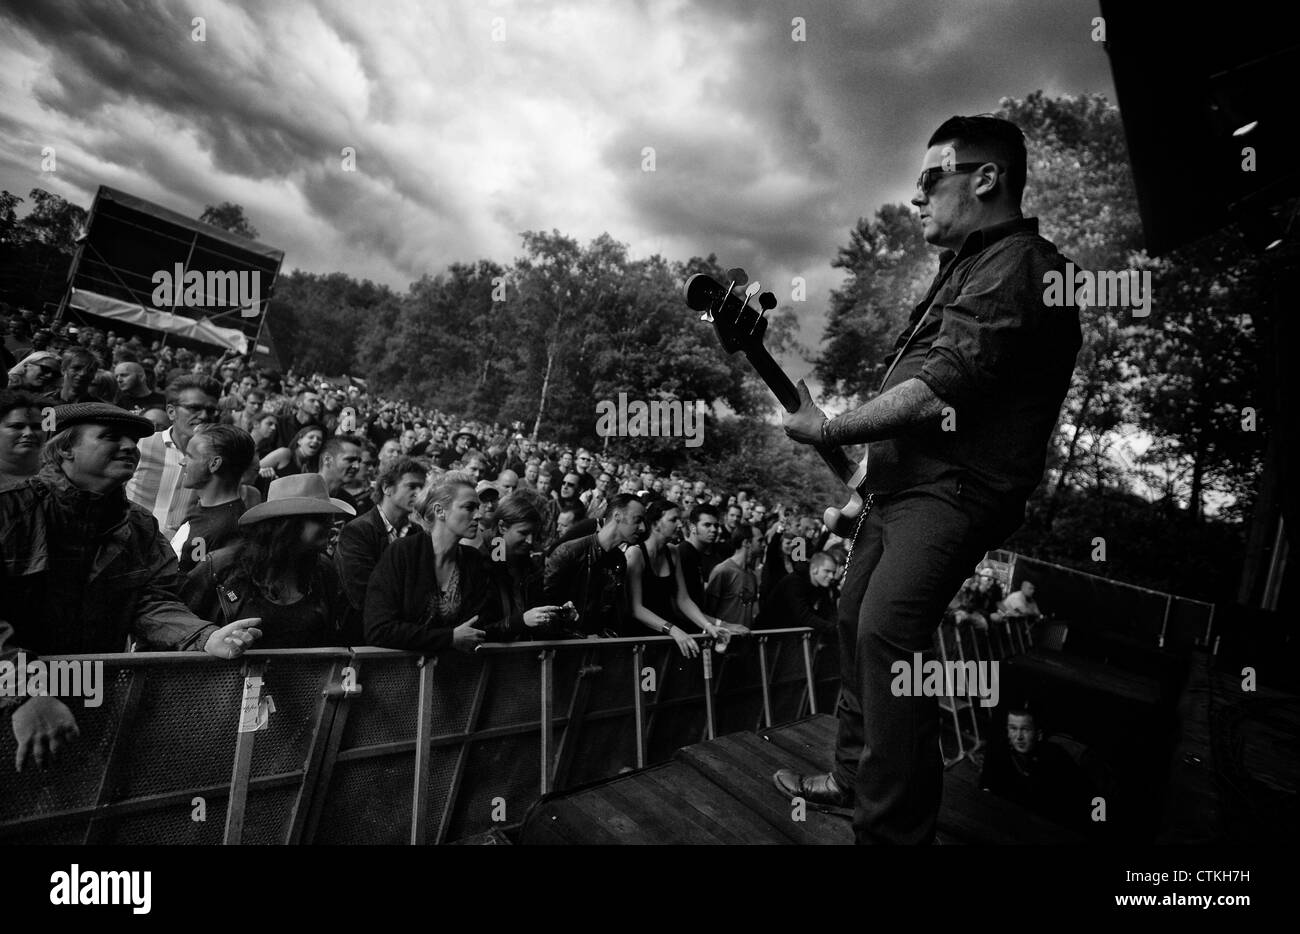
844	520
740	327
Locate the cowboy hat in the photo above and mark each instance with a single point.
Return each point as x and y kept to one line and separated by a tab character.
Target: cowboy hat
302	494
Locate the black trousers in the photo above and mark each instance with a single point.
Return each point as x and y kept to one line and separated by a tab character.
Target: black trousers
912	553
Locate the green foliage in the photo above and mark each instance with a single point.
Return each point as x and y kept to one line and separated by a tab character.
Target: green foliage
888	266
229	216
36	250
1152	544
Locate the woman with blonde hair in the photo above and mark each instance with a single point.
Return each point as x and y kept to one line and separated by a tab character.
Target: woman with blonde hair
428	591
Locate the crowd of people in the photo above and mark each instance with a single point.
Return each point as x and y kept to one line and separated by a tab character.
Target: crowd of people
196	503
190	502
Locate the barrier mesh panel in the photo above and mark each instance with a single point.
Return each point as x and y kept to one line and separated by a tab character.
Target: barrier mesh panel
611	687
173	825
604	748
296	686
268	815
75	781
184	733
506	768
385	710
513	693
369	801
442	772
70	834
455	681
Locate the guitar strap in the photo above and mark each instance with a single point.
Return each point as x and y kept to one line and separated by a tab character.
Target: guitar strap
902	350
944	276
868	499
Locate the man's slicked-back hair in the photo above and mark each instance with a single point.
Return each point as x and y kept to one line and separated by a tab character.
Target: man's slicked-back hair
234	445
992	137
620	503
336	443
700	510
208	385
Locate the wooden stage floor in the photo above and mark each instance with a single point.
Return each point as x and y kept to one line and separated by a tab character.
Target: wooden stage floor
721	791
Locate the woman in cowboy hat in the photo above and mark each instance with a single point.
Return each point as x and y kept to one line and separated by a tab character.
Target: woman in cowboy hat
278	569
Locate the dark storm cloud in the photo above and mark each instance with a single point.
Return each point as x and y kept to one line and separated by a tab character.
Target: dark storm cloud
767	150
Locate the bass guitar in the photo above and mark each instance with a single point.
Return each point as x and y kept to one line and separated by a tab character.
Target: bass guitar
740	327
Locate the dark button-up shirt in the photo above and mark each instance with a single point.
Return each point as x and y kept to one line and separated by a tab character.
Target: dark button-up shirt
990	348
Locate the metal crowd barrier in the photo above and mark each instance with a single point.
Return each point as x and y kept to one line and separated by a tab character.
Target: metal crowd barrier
370	745
1097	603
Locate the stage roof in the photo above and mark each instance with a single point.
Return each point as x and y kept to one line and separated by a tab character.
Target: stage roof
130	242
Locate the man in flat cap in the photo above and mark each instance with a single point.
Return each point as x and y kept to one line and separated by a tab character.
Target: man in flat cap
82	570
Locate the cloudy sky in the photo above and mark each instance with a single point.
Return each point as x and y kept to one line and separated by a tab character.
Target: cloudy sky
473	121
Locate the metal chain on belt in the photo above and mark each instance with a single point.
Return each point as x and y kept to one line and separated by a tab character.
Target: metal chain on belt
866	508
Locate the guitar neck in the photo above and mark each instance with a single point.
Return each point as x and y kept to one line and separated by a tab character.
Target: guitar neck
771	373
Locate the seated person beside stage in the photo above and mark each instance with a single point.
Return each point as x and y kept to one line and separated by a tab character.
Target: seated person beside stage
1037	775
1022	604
803	598
977	601
278	568
428	591
82	570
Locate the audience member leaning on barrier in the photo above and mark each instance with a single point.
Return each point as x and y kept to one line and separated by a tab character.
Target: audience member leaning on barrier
278	569
82	570
656	589
519	610
428	591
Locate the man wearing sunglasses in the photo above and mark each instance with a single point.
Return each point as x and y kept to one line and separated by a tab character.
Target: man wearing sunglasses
156	485
958	437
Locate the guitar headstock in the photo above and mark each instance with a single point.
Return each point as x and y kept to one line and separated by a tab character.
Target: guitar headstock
739	326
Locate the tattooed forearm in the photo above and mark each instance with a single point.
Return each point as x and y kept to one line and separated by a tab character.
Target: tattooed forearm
908	404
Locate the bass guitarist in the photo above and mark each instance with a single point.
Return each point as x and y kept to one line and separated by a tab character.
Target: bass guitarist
958	438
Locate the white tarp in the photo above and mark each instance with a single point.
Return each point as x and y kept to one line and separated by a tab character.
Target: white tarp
191	328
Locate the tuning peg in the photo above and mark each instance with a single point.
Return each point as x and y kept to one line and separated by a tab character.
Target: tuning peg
767	301
752	290
707	316
737	276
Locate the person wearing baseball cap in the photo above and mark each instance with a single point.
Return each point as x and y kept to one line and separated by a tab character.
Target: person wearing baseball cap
58	526
278	570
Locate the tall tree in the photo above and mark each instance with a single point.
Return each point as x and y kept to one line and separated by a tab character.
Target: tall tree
229	216
888	265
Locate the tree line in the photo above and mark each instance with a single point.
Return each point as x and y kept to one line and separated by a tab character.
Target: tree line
1158	448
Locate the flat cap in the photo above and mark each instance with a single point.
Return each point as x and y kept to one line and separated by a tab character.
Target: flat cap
101	413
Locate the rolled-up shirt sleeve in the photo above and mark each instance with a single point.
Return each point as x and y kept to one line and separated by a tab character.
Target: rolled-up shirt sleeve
987	328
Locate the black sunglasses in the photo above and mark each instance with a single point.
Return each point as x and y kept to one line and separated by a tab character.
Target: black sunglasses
926	180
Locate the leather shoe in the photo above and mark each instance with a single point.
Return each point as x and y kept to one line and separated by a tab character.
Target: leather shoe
819	790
